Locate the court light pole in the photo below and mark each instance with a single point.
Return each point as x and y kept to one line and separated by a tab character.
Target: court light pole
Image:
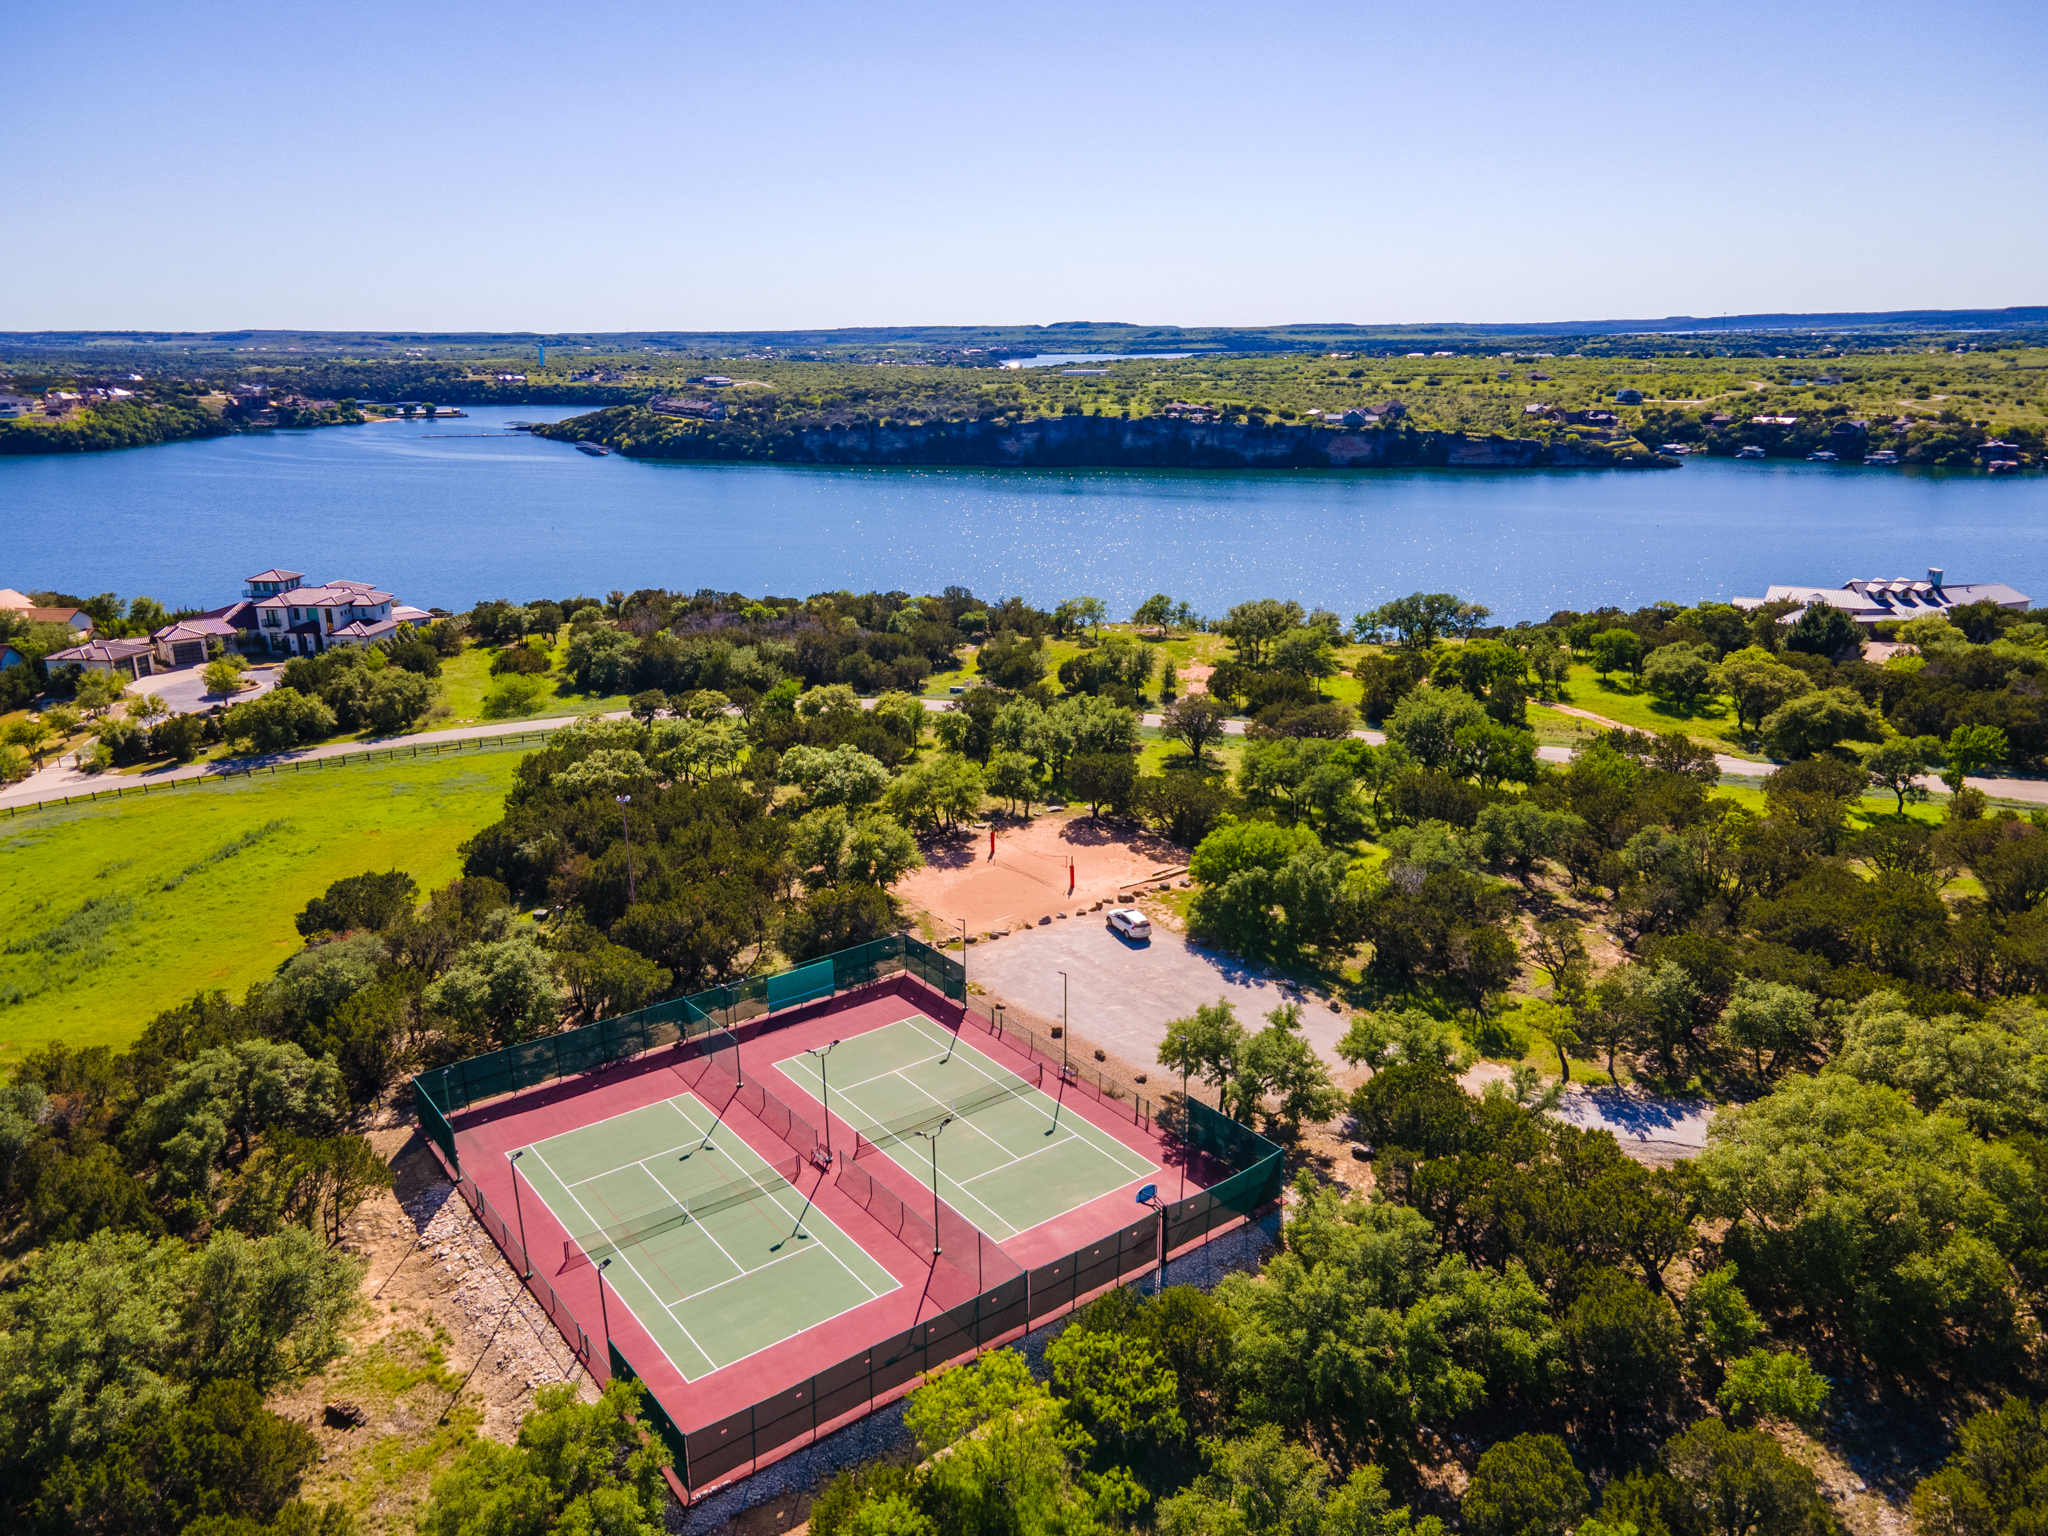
1065	1028
605	1313
1149	1196
821	1052
626	822
520	1211
1061	1099
932	1136
1187	1124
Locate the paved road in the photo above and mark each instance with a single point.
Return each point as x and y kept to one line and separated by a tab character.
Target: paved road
2030	791
1121	995
65	778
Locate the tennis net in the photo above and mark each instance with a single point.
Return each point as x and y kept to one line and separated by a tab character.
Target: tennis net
607	1241
889	1133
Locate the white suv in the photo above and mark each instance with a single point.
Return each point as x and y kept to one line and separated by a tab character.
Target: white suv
1130	923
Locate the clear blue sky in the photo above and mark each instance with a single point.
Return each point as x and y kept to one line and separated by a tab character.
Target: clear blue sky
620	165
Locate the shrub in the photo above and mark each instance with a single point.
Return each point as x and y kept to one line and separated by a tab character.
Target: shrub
397	699
122	742
1185	806
1996	1484
1626	1343
415	655
1773	1383
1744	1483
179	737
281	719
513	696
519	660
359	901
1526	1486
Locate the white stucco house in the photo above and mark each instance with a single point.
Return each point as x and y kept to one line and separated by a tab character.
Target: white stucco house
297	620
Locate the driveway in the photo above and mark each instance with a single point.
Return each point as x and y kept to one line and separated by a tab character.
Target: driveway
184	688
1121	996
1640	1121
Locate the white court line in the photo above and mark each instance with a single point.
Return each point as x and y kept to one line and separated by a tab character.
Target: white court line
742	1275
946	1178
961	1192
966	1120
775	1196
846	1094
1110	1152
1113	1152
1049	1147
735	1263
637	1162
821	1322
1088	1134
607	1120
651	1292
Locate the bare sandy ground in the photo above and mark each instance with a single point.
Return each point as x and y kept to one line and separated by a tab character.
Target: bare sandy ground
1039	868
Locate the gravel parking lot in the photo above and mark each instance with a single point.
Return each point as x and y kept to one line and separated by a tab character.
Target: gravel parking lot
1121	995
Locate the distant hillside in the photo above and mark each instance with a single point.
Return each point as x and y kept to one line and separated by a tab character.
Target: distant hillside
991	342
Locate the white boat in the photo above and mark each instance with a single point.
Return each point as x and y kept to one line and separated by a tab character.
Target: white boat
1882	457
1750	451
1822	456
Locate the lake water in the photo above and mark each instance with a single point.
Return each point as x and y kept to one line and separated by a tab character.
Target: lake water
1049	359
444	519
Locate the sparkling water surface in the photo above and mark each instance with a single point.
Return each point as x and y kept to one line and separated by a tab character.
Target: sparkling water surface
447	513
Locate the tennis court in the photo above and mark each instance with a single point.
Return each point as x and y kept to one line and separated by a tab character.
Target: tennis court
1011	1159
716	1250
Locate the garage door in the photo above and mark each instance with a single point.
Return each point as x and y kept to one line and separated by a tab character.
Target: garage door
188	653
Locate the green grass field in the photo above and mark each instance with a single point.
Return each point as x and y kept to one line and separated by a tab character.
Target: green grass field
116	911
1620	697
466	678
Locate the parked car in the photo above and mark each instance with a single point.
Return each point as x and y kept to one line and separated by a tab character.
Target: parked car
1130	923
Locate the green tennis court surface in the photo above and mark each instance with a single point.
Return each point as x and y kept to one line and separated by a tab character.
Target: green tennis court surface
1012	1159
710	1244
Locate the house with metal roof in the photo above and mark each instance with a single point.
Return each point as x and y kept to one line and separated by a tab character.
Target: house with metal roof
1873	599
